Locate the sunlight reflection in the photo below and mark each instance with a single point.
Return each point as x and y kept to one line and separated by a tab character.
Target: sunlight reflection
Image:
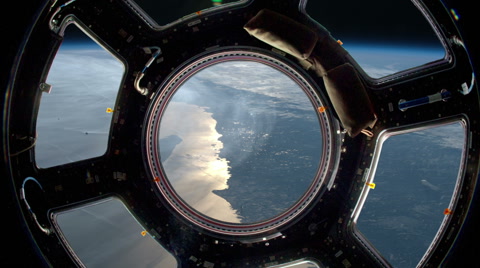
194	167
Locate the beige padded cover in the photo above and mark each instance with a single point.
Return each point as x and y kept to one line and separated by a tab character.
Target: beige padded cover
283	33
318	51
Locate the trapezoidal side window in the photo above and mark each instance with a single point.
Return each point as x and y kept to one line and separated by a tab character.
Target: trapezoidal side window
381	40
103	233
164	13
74	117
413	192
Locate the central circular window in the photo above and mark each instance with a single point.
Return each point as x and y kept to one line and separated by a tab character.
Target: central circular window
237	142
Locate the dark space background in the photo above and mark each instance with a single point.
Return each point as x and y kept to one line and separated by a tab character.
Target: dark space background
18	16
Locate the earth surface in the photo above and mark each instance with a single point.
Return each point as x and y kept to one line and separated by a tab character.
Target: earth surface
249	140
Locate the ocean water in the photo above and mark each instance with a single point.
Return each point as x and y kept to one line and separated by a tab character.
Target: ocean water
73	125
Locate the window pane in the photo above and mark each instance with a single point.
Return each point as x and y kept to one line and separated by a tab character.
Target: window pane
382	60
72	122
297	264
415	180
105	234
165	12
243	149
384	37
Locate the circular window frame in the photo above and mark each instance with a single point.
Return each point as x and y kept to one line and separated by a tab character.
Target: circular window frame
324	175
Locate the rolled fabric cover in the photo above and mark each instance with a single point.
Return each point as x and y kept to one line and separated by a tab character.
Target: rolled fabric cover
349	99
316	49
283	33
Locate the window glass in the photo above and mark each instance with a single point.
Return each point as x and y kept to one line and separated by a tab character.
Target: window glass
105	234
73	123
384	37
165	12
414	184
382	60
296	264
242	149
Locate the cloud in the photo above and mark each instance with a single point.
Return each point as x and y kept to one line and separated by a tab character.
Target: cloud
447	136
257	78
195	168
84	83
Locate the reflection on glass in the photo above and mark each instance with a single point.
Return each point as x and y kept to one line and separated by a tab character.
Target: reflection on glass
166	12
72	122
105	234
297	264
415	180
239	141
